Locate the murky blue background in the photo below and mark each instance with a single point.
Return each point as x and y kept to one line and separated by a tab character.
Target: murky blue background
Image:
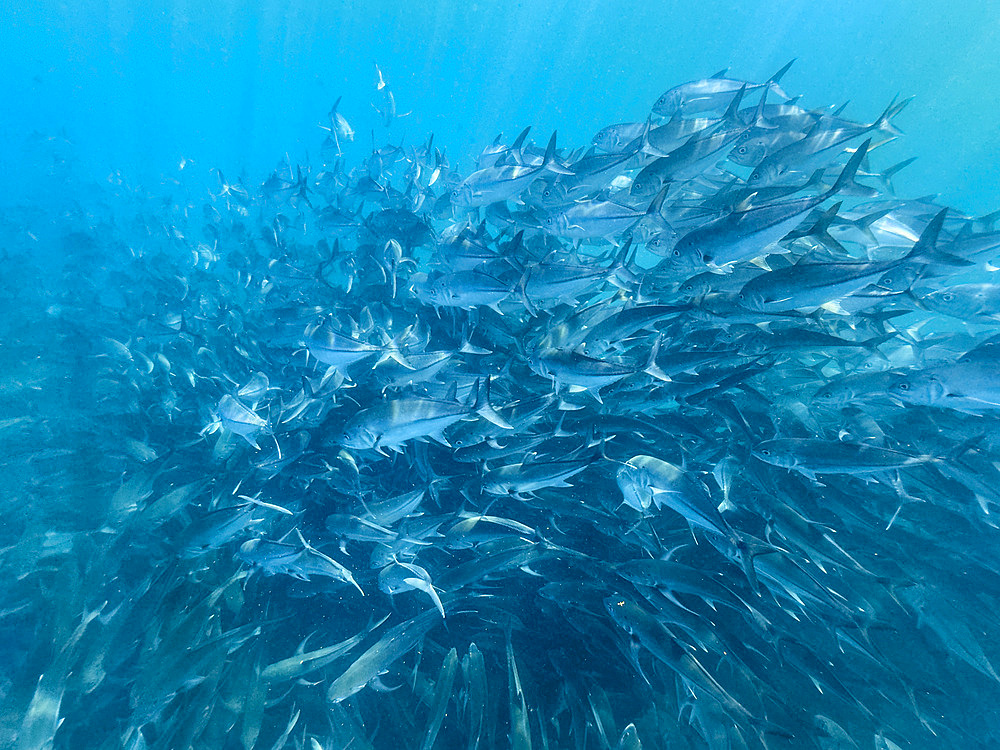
161	93
139	87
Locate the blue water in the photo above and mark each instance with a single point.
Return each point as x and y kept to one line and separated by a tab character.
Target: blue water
139	87
138	295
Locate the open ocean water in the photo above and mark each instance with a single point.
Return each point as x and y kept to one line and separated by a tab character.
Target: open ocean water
337	411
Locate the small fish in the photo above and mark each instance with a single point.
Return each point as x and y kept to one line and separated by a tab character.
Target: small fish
233	416
394	644
811	456
402	576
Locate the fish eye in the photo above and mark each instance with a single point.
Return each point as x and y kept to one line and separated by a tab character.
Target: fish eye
755	177
904	386
741	150
765	452
947	297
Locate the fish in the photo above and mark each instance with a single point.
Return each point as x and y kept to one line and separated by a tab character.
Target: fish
560	444
708	94
822	138
403	576
394	422
811	285
811	457
502	182
745	232
304	662
386	106
395	643
234	416
651	635
300	561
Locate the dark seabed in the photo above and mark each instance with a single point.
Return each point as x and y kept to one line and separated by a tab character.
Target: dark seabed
670	422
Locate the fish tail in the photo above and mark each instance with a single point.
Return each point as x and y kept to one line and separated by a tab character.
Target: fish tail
884	124
652	369
483	408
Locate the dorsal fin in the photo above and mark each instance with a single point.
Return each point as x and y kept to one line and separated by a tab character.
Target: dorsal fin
518	143
851	169
746	204
777	76
734	105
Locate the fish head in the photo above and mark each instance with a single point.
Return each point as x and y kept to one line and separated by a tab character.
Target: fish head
917	388
608	139
545	194
645	186
343	127
662	243
962	301
668	103
687	255
621	612
391	579
248	550
443	292
553	222
256	388
765	174
428	293
696	287
750	152
498	487
772	452
901	278
636	488
753	300
462	196
358	437
836	394
237	418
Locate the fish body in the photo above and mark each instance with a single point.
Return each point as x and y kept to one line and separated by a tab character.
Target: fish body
711	94
812	456
233	416
395	643
648	482
500	183
394	422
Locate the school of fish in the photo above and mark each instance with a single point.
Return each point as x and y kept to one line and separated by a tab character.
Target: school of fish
685	438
